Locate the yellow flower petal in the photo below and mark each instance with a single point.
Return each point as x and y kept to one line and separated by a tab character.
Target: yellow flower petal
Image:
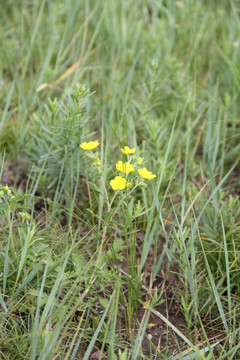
126	150
151	324
124	167
145	174
118	183
89	145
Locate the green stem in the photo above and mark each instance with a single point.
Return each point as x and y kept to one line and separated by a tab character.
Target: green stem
11	237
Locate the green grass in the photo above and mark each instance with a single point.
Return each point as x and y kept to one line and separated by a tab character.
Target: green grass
151	273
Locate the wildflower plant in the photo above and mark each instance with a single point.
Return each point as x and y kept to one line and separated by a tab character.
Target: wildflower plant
129	174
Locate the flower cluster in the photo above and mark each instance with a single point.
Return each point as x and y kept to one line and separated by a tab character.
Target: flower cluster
6	193
120	182
24	216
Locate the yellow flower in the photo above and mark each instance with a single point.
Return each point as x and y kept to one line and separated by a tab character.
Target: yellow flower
124	167
118	183
145	174
89	145
126	150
